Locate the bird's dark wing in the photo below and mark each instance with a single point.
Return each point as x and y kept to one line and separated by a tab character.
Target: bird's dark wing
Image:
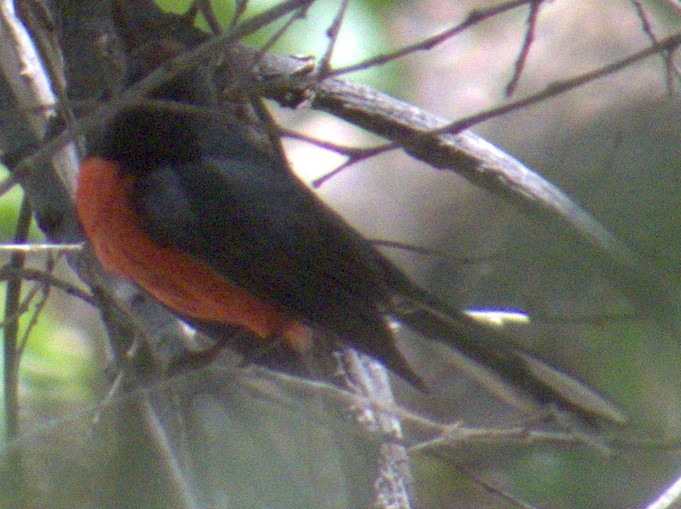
265	232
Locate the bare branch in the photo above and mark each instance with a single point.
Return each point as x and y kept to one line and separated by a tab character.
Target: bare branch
205	7
668	498
295	16
164	444
561	87
366	377
23	69
45	278
41	248
332	33
355	158
333	147
7	185
525	51
11	350
473	18
22	308
451	434
672	70
240	7
494	490
44	290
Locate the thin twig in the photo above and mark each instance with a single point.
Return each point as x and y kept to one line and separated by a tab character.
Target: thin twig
354	154
332	33
165	446
41	248
6	273
44	289
11	351
358	157
474	17
559	87
405	246
325	144
521	60
37	310
669	498
495	491
667	56
295	16
7	185
521	435
22	308
206	9
240	7
251	378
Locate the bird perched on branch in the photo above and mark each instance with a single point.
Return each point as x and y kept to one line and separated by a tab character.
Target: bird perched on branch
227	237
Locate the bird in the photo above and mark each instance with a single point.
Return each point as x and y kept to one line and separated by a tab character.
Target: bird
227	237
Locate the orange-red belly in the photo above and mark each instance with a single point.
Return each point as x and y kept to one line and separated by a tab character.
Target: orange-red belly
181	282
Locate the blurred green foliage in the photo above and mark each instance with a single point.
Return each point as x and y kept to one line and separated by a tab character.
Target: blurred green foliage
52	371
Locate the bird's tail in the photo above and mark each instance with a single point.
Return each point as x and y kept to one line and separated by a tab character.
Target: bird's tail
494	360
